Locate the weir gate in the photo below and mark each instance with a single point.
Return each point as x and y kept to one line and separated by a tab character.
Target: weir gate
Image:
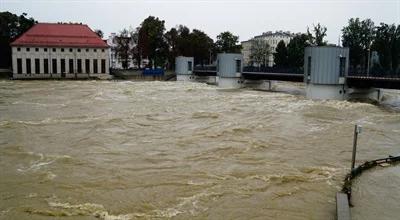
326	75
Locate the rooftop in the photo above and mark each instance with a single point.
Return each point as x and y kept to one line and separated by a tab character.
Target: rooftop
60	35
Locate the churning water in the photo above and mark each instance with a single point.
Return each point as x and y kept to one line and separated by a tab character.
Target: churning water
145	150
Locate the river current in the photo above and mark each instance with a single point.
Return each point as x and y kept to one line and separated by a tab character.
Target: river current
174	150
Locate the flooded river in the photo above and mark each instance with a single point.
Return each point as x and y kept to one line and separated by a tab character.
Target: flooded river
145	150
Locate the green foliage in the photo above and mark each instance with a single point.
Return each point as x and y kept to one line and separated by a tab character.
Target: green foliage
259	52
358	36
182	41
11	26
281	55
201	46
151	41
123	47
228	43
296	50
317	39
387	44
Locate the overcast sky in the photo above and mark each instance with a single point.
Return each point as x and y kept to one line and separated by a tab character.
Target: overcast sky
245	18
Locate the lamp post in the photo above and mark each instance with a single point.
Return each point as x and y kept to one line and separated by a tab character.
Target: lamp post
369	51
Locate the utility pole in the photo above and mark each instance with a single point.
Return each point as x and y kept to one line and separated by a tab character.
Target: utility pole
357	130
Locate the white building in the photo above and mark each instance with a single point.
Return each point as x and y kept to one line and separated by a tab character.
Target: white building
272	39
59	50
116	61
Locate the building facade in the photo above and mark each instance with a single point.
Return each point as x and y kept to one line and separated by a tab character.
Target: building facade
61	50
115	60
272	38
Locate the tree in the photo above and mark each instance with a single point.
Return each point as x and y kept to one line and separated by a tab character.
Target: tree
184	41
358	36
296	50
387	44
317	39
135	50
228	43
196	43
151	40
99	33
281	55
123	47
260	52
11	27
171	38
201	46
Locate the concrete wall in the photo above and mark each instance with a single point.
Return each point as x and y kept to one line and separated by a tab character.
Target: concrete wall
325	65
182	65
226	65
68	53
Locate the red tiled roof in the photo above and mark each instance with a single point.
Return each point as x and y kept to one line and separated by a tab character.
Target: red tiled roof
60	35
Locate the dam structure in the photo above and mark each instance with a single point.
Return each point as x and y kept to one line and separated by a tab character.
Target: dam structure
326	75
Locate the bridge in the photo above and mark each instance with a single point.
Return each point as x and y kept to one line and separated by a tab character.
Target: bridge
353	80
357	81
326	75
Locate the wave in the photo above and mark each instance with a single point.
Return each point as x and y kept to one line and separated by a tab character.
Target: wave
200	115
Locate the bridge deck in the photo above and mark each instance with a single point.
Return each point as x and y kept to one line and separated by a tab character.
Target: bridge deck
292	77
352	81
371	81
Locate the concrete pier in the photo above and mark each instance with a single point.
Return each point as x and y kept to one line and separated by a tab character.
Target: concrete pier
184	68
229	70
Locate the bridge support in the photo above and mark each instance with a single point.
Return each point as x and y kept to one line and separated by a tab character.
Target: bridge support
207	79
184	68
229	70
264	85
373	94
335	92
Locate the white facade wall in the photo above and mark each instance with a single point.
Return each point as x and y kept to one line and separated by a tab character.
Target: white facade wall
272	39
116	62
59	53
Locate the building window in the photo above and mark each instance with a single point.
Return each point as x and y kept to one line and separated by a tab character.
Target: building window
46	66
71	66
103	66
19	49
95	50
309	66
70	49
54	49
28	66
190	66
36	49
45	49
19	66
79	65
54	63
87	50
342	66
28	49
102	50
37	66
95	66
79	50
62	65
62	49
87	66
238	66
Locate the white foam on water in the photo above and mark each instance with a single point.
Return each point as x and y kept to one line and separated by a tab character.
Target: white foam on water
89	209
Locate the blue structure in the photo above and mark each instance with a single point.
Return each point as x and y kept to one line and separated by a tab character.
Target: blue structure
153	72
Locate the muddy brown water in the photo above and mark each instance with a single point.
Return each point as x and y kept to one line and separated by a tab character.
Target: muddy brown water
170	150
